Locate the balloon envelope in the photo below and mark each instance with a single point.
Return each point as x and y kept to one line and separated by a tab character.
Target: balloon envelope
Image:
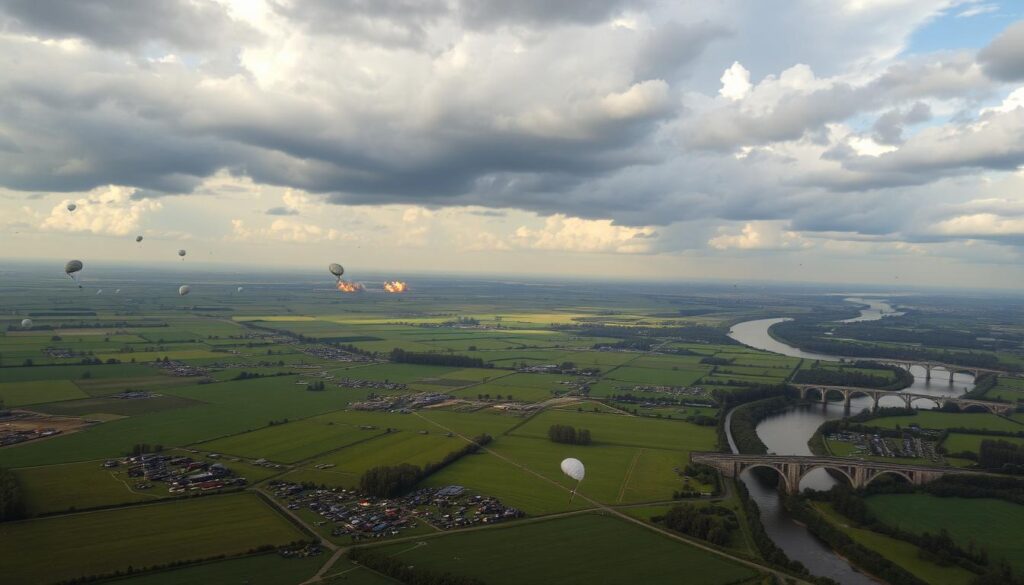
184	289
72	207
73	266
573	468
26	323
138	238
181	253
336	269
240	289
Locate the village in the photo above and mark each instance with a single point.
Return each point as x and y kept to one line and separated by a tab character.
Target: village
180	473
362	517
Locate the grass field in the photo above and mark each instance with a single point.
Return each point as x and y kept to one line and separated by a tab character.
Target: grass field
961	442
264	569
625	430
83	485
23	393
292	441
993	524
948	420
900	552
64	547
588	549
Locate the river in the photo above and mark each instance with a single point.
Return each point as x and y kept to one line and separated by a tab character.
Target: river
787	433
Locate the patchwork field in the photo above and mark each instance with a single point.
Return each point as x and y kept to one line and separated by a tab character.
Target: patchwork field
138	536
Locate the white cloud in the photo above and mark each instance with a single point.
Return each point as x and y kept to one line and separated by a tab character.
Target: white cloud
981	224
574	234
287	230
735	82
759	235
106	210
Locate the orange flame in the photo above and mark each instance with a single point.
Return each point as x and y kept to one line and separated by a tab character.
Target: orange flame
349	287
395	286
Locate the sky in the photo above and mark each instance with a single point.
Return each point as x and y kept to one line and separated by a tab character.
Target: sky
840	141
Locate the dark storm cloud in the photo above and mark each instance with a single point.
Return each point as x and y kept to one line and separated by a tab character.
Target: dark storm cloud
282	211
485	14
187	24
671	47
1003	58
388	22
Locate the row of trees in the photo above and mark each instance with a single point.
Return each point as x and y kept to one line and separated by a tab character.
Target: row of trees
388	481
843	376
12	504
569	435
1001	455
404	572
401	356
714	524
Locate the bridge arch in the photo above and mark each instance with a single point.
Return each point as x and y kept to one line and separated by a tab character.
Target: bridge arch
849	478
881	472
780	472
912	399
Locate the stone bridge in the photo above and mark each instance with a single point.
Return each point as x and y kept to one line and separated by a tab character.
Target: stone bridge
793	468
908	398
929	366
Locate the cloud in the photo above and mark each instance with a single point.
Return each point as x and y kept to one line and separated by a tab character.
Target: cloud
188	24
574	234
759	235
735	82
280	210
1002	57
287	230
106	211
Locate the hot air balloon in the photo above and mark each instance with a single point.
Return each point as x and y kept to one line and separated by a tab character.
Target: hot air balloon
138	238
240	289
182	254
72	268
574	469
336	270
26	323
117	292
99	292
72	207
184	290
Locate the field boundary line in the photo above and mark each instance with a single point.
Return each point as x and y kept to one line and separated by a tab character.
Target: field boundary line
629	473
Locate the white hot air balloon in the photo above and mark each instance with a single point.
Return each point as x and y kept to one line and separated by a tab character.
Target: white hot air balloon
99	292
182	254
184	289
574	468
241	288
26	323
72	269
72	207
337	270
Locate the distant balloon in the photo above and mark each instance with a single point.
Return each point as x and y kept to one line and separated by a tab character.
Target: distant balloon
184	289
573	468
72	268
118	291
138	238
72	207
182	254
26	323
336	270
99	292
240	289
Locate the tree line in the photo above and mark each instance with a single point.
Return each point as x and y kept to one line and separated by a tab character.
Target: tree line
388	481
401	356
569	435
842	376
12	502
714	524
404	572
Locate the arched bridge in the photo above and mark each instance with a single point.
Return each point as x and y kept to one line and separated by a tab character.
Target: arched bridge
948	368
793	468
908	398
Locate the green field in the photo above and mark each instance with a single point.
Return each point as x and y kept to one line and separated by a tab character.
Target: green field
264	569
138	536
625	430
900	552
948	420
961	442
588	549
993	524
23	393
84	485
